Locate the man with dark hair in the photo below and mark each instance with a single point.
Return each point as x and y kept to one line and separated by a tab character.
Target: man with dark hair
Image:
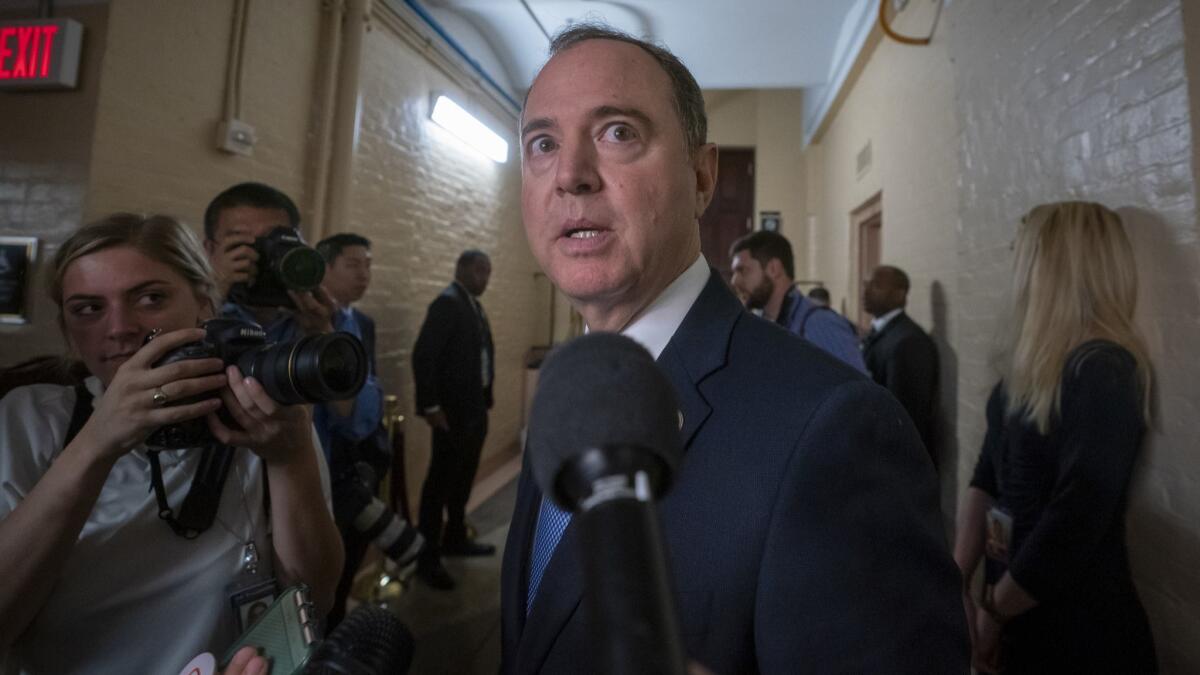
453	368
347	277
801	535
762	274
232	221
820	296
899	354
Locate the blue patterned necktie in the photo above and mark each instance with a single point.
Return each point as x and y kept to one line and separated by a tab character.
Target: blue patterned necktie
551	523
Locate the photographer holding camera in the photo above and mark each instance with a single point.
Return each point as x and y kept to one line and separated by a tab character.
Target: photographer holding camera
267	275
91	577
270	277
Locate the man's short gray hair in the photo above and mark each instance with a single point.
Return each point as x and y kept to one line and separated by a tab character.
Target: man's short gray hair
689	102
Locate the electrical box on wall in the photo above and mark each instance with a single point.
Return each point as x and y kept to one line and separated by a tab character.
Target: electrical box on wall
236	136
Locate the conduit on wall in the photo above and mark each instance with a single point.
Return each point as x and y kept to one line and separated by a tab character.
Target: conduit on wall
345	118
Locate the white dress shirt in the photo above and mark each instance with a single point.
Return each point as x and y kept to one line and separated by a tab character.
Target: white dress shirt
655	327
878	323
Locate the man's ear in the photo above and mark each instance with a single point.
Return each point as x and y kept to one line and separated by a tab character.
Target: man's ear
774	269
704	163
210	247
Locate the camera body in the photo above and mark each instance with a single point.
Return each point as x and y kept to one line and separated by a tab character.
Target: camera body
285	263
312	369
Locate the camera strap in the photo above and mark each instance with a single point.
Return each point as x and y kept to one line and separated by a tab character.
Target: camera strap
199	508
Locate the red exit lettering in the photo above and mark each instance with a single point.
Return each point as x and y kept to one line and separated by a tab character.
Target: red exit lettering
25	51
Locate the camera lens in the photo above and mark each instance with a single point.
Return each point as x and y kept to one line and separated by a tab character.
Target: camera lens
301	268
315	369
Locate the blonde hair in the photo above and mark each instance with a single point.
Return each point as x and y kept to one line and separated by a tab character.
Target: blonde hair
158	237
1074	280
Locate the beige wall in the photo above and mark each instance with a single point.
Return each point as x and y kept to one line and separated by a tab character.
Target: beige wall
902	103
140	135
767	121
45	150
1017	103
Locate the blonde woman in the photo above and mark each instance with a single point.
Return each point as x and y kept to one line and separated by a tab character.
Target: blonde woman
1047	503
92	577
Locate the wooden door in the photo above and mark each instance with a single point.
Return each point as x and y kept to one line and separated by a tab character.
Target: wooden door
731	213
868	221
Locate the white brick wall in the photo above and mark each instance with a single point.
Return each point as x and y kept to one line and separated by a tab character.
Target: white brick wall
1089	100
423	198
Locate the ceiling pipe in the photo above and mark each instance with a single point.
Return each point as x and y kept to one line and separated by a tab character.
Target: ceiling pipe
437	28
525	4
346	110
331	45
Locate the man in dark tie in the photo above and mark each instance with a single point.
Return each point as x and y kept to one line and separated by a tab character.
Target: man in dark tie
899	354
802	530
453	369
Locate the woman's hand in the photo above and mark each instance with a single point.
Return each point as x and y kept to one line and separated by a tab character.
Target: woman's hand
137	401
272	431
985	653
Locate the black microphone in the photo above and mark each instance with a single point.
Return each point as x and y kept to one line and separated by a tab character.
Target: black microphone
370	641
604	443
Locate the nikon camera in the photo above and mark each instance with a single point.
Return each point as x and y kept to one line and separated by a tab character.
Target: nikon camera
285	263
312	369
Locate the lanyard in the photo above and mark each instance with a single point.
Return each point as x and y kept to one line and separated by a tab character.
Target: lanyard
203	498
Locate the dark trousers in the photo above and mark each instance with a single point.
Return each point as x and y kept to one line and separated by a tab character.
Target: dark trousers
448	485
355	546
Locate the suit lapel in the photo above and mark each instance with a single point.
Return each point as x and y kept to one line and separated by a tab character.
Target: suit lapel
697	349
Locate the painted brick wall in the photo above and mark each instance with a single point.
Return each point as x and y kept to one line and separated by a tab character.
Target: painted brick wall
45	149
140	136
1089	100
423	197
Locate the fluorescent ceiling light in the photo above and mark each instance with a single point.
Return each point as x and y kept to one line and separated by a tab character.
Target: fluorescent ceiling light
451	117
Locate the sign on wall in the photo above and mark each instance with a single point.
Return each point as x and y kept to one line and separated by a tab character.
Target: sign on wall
40	54
17	255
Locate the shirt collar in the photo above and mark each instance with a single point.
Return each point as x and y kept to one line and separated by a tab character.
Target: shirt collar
879	322
655	327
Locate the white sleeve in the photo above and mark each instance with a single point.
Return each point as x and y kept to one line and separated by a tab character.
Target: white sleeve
33	425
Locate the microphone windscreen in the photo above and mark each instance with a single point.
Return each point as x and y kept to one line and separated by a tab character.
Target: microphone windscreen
596	391
369	640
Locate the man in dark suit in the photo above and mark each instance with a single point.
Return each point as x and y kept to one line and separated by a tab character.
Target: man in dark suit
802	530
899	354
453	366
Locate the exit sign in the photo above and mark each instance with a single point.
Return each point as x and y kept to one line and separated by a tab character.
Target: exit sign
40	54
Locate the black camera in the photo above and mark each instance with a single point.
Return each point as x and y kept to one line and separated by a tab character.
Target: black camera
355	507
312	369
285	263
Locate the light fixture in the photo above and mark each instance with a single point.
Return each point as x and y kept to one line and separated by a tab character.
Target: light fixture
451	117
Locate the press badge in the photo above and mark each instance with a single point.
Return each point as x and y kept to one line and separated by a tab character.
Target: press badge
250	598
999	534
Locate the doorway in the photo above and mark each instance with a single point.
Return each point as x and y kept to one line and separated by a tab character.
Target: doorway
866	223
730	215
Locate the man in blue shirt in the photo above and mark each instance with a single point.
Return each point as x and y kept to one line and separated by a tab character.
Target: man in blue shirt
232	221
763	270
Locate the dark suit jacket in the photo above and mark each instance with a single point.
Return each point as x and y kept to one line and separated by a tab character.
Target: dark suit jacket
903	358
802	532
447	358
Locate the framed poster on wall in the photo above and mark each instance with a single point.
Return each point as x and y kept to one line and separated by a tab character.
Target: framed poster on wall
17	255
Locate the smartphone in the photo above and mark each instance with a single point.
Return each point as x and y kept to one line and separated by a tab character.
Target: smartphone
285	634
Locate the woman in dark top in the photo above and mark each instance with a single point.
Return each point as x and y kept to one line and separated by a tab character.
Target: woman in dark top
1047	503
